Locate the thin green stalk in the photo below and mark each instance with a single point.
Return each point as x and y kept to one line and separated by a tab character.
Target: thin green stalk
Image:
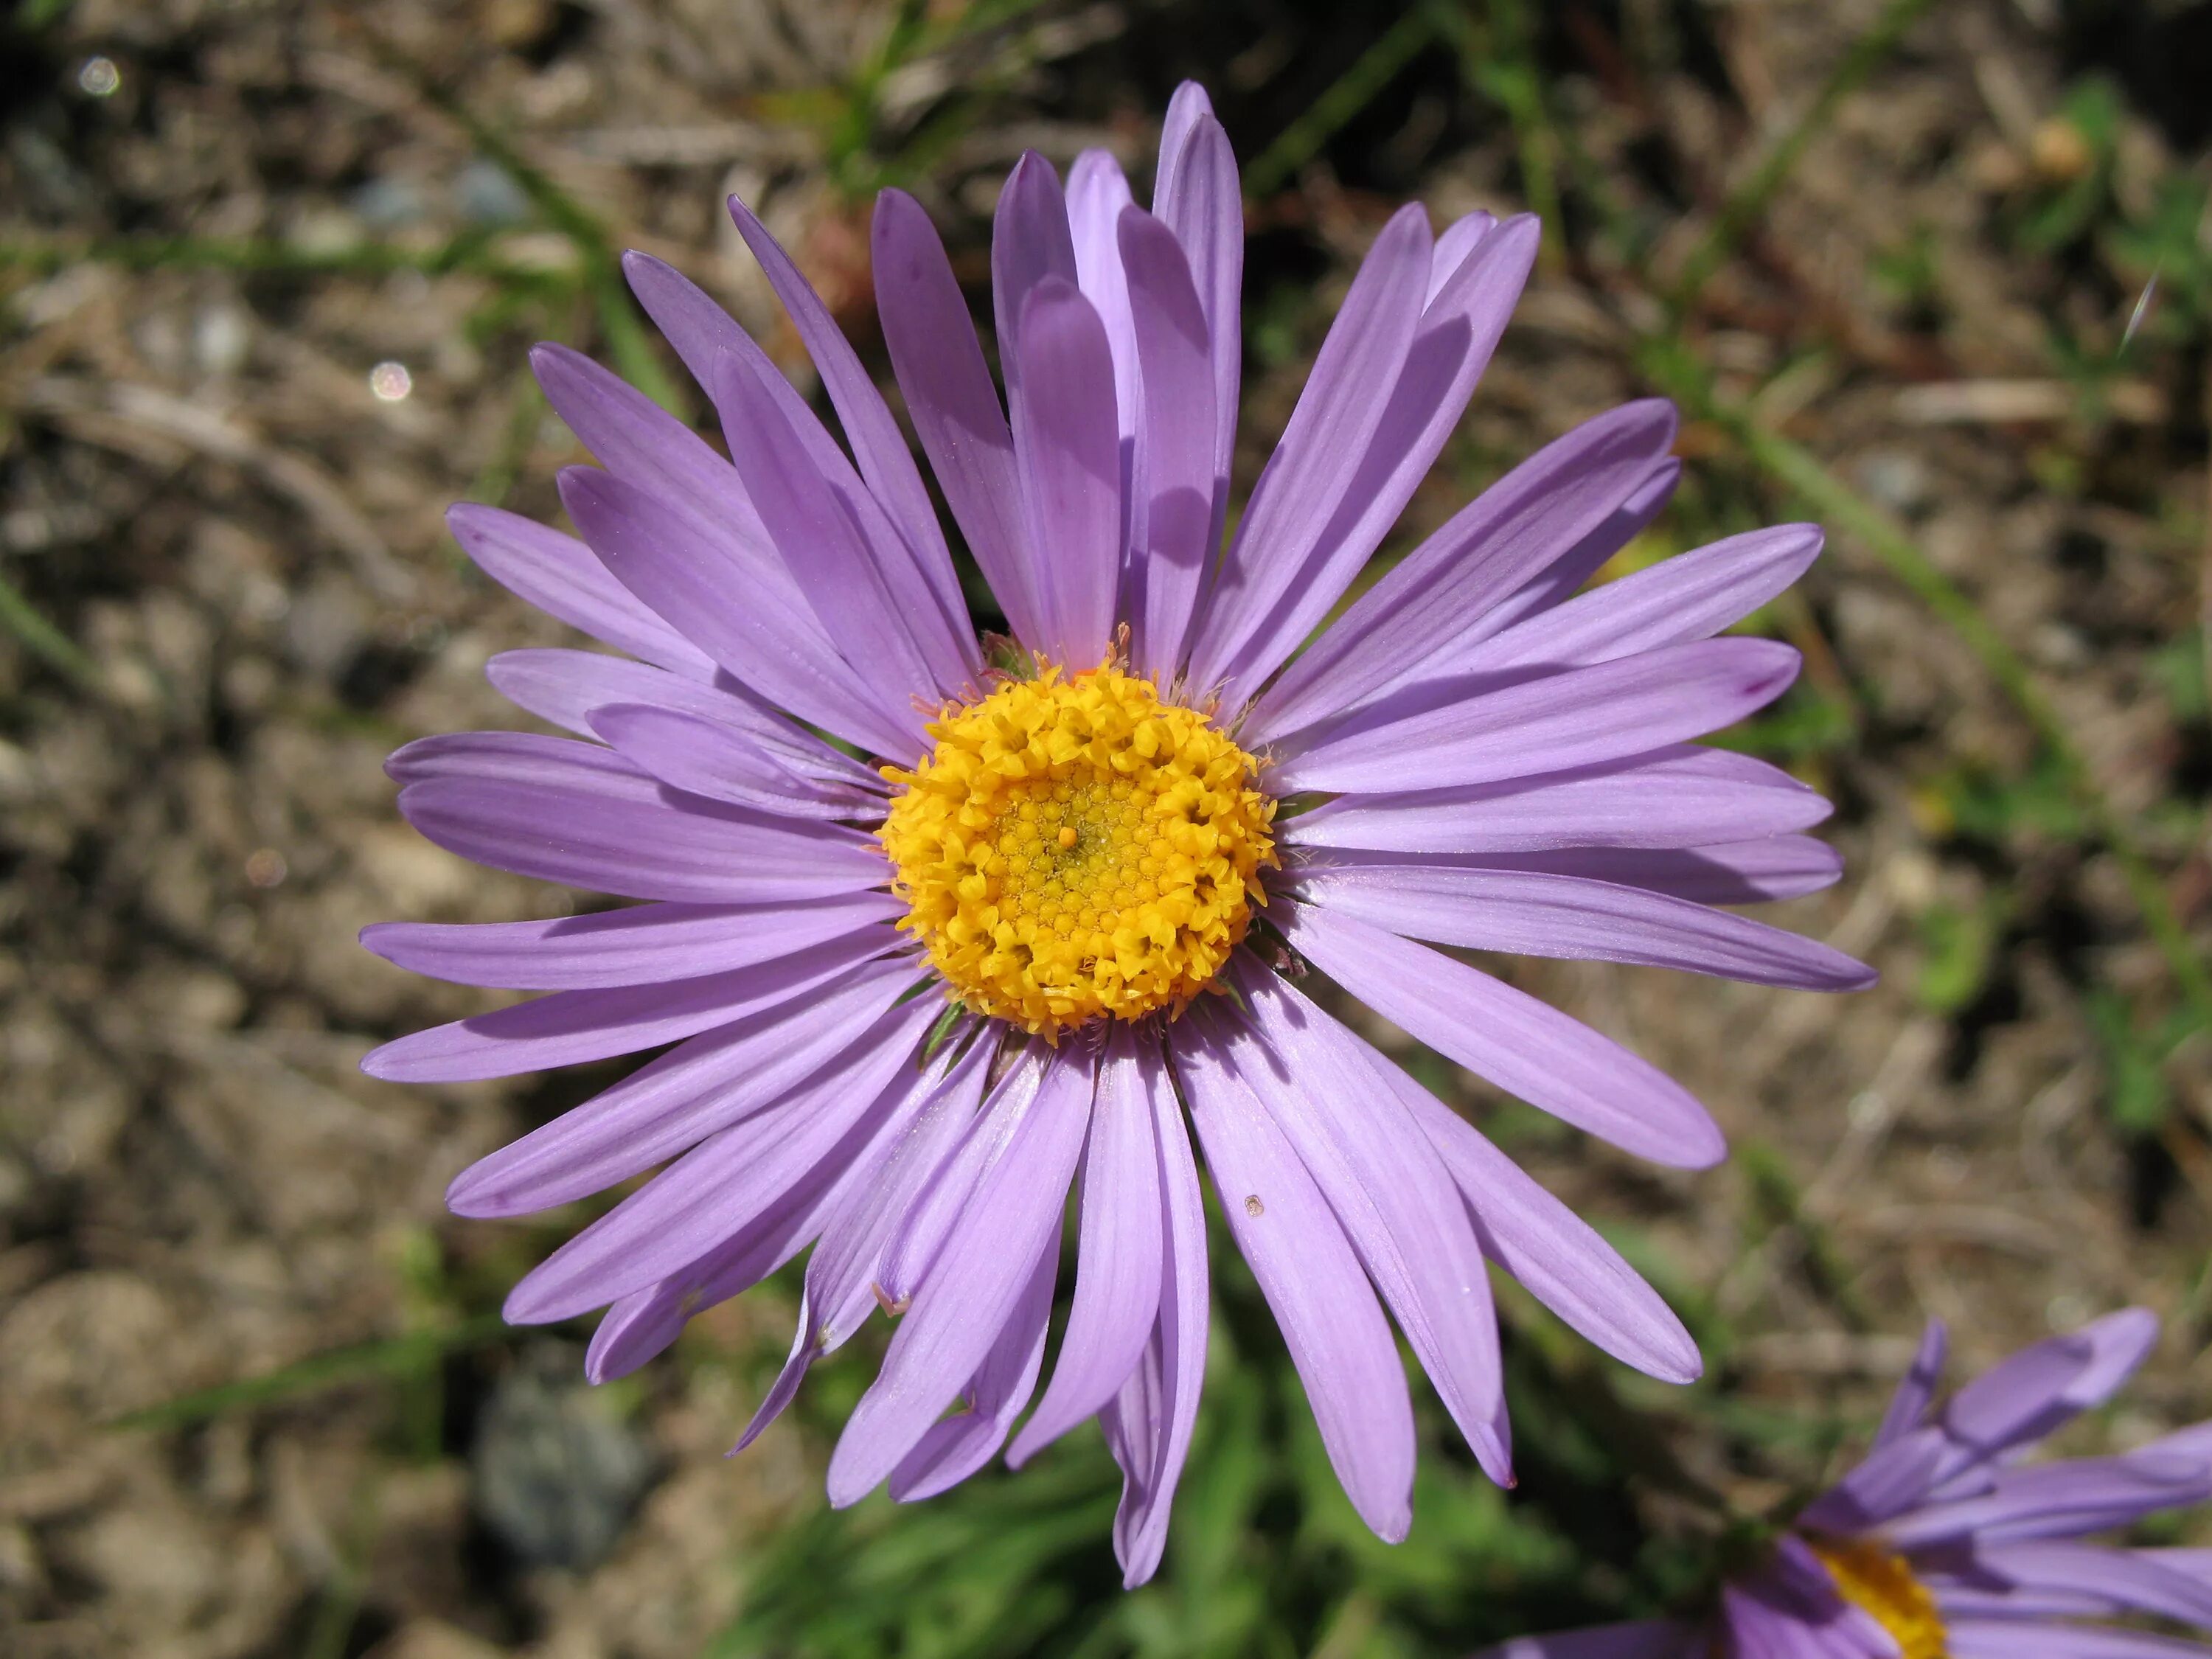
1750	200
1683	376
48	643
1503	68
389	1357
42	257
1374	69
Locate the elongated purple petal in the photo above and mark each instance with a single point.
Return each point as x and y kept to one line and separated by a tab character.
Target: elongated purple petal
1918	1387
1388	1189
1565	574
1522	1045
1682	797
569	1028
838	1295
2057	1500
1149	1423
720	1189
2121	1581
1196	195
2030	1394
883	633
1692	596
568	687
1529	914
1067	457
956	1446
611	839
1450	348
926	1223
1118	1266
1030	241
1098	194
640	1325
920	573
705	757
1313	1281
564	579
1992	1638
1173	526
1578	717
1510	533
638	945
950	396
1552	1251
974	1285
1735	873
878	445
676	1101
1453	244
767	637
1304	482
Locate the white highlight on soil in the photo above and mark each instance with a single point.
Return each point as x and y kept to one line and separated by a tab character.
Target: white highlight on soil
390	381
99	76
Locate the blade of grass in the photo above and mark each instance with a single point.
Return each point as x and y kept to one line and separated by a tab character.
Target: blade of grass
1374	69
363	1361
48	643
1503	66
1750	200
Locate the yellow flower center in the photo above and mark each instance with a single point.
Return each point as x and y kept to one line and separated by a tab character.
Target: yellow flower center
1070	847
1872	1578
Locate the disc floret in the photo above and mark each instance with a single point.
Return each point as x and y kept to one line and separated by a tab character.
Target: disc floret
1075	848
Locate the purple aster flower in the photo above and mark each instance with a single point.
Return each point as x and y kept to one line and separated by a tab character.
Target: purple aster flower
1042	923
1943	1544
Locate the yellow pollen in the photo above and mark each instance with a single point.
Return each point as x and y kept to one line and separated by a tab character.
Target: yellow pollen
1871	1578
1075	848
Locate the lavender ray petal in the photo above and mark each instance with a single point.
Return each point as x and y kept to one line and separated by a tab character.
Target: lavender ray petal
885	633
1118	1272
1196	195
569	1028
1737	873
1550	1249
1457	240
836	1296
638	945
699	852
1030	241
2121	1581
950	397
1522	914
1068	458
1917	1388
1151	1422
1451	347
954	1447
973	1286
566	687
1506	536
1338	1338
1434	733
1692	596
1389	1191
1565	574
1305	480
1173	523
676	1101
877	444
1992	1638
705	757
1523	1045
1685	796
1097	193
2055	1500
700	1212
564	579
766	638
2025	1397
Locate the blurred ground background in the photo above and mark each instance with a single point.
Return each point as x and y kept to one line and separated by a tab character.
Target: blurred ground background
267	276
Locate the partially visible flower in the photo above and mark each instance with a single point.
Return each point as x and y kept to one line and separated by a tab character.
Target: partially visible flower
1945	1544
912	998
